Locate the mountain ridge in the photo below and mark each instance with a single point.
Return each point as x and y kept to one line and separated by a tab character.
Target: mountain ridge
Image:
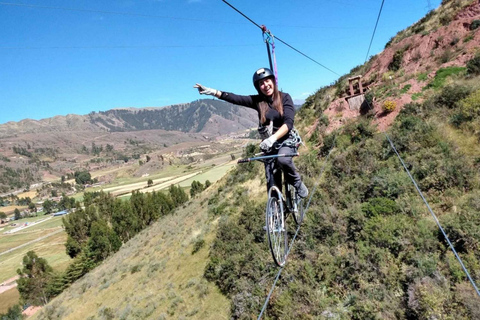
185	117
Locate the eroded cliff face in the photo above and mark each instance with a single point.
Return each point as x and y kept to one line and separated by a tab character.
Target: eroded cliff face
433	47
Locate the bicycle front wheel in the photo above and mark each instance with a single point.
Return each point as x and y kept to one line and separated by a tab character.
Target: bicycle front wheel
276	230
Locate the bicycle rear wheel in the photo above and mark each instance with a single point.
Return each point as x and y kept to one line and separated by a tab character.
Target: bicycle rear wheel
295	203
276	230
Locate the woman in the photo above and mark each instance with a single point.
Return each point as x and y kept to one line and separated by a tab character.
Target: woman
275	113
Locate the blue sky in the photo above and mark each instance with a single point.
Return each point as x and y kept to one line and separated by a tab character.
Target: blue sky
100	55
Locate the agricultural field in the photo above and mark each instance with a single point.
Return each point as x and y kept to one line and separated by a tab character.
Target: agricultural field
44	234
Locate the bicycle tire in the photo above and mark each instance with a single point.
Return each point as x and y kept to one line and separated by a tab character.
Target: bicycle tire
276	230
295	204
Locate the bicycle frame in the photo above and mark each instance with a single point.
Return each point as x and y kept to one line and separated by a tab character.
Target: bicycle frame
277	206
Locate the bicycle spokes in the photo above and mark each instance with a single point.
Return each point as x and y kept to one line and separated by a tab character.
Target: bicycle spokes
277	233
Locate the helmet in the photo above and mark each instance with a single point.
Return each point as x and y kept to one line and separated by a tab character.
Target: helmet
260	74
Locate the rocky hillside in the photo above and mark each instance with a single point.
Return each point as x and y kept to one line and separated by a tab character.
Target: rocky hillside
406	71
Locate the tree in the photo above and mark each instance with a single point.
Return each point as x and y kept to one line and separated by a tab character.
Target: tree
66	202
207	184
17	214
148	158
82	177
178	195
32	207
77	226
13	313
3	215
103	241
34	278
150	182
124	222
196	188
48	205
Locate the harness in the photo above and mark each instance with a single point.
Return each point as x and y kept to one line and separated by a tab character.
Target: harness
294	140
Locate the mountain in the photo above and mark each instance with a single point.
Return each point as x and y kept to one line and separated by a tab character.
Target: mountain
207	116
32	150
369	248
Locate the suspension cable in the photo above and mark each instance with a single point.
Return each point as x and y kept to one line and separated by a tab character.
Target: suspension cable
260	27
434	216
296	233
374	30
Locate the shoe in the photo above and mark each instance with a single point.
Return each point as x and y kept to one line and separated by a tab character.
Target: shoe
302	191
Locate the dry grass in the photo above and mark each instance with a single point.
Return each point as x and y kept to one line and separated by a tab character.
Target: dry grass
8	299
51	248
153	276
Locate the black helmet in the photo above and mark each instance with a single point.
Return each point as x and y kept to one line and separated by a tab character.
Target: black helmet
260	74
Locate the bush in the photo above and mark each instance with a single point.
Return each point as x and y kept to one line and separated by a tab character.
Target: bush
397	59
405	88
451	95
471	104
475	24
199	244
473	66
389	106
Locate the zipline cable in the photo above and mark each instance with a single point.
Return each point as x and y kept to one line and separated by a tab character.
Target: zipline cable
296	233
374	30
434	216
260	27
415	183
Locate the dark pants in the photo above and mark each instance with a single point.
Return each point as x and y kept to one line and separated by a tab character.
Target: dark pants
274	168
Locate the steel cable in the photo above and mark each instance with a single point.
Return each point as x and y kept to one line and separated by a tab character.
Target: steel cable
277	38
434	216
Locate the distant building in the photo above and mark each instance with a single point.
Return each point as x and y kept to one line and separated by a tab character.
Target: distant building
60	213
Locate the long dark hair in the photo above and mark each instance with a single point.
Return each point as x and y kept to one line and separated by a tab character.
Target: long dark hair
277	103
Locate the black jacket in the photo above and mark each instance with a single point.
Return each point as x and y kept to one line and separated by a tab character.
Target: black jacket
272	114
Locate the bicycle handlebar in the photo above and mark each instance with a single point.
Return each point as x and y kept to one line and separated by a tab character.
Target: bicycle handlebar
268	157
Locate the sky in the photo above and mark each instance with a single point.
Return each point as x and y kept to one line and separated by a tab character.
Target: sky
75	57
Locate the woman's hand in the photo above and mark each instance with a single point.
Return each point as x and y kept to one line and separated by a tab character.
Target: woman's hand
267	144
206	90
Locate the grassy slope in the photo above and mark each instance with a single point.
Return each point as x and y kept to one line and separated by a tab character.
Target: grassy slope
154	276
9	299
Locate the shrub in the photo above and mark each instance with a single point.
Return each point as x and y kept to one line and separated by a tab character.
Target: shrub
475	24
389	106
397	59
470	106
468	38
199	244
451	95
379	206
446	56
396	62
405	88
416	96
473	66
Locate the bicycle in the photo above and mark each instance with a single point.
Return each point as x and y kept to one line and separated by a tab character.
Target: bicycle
278	207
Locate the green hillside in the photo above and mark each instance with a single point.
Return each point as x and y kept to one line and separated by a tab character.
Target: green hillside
369	247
